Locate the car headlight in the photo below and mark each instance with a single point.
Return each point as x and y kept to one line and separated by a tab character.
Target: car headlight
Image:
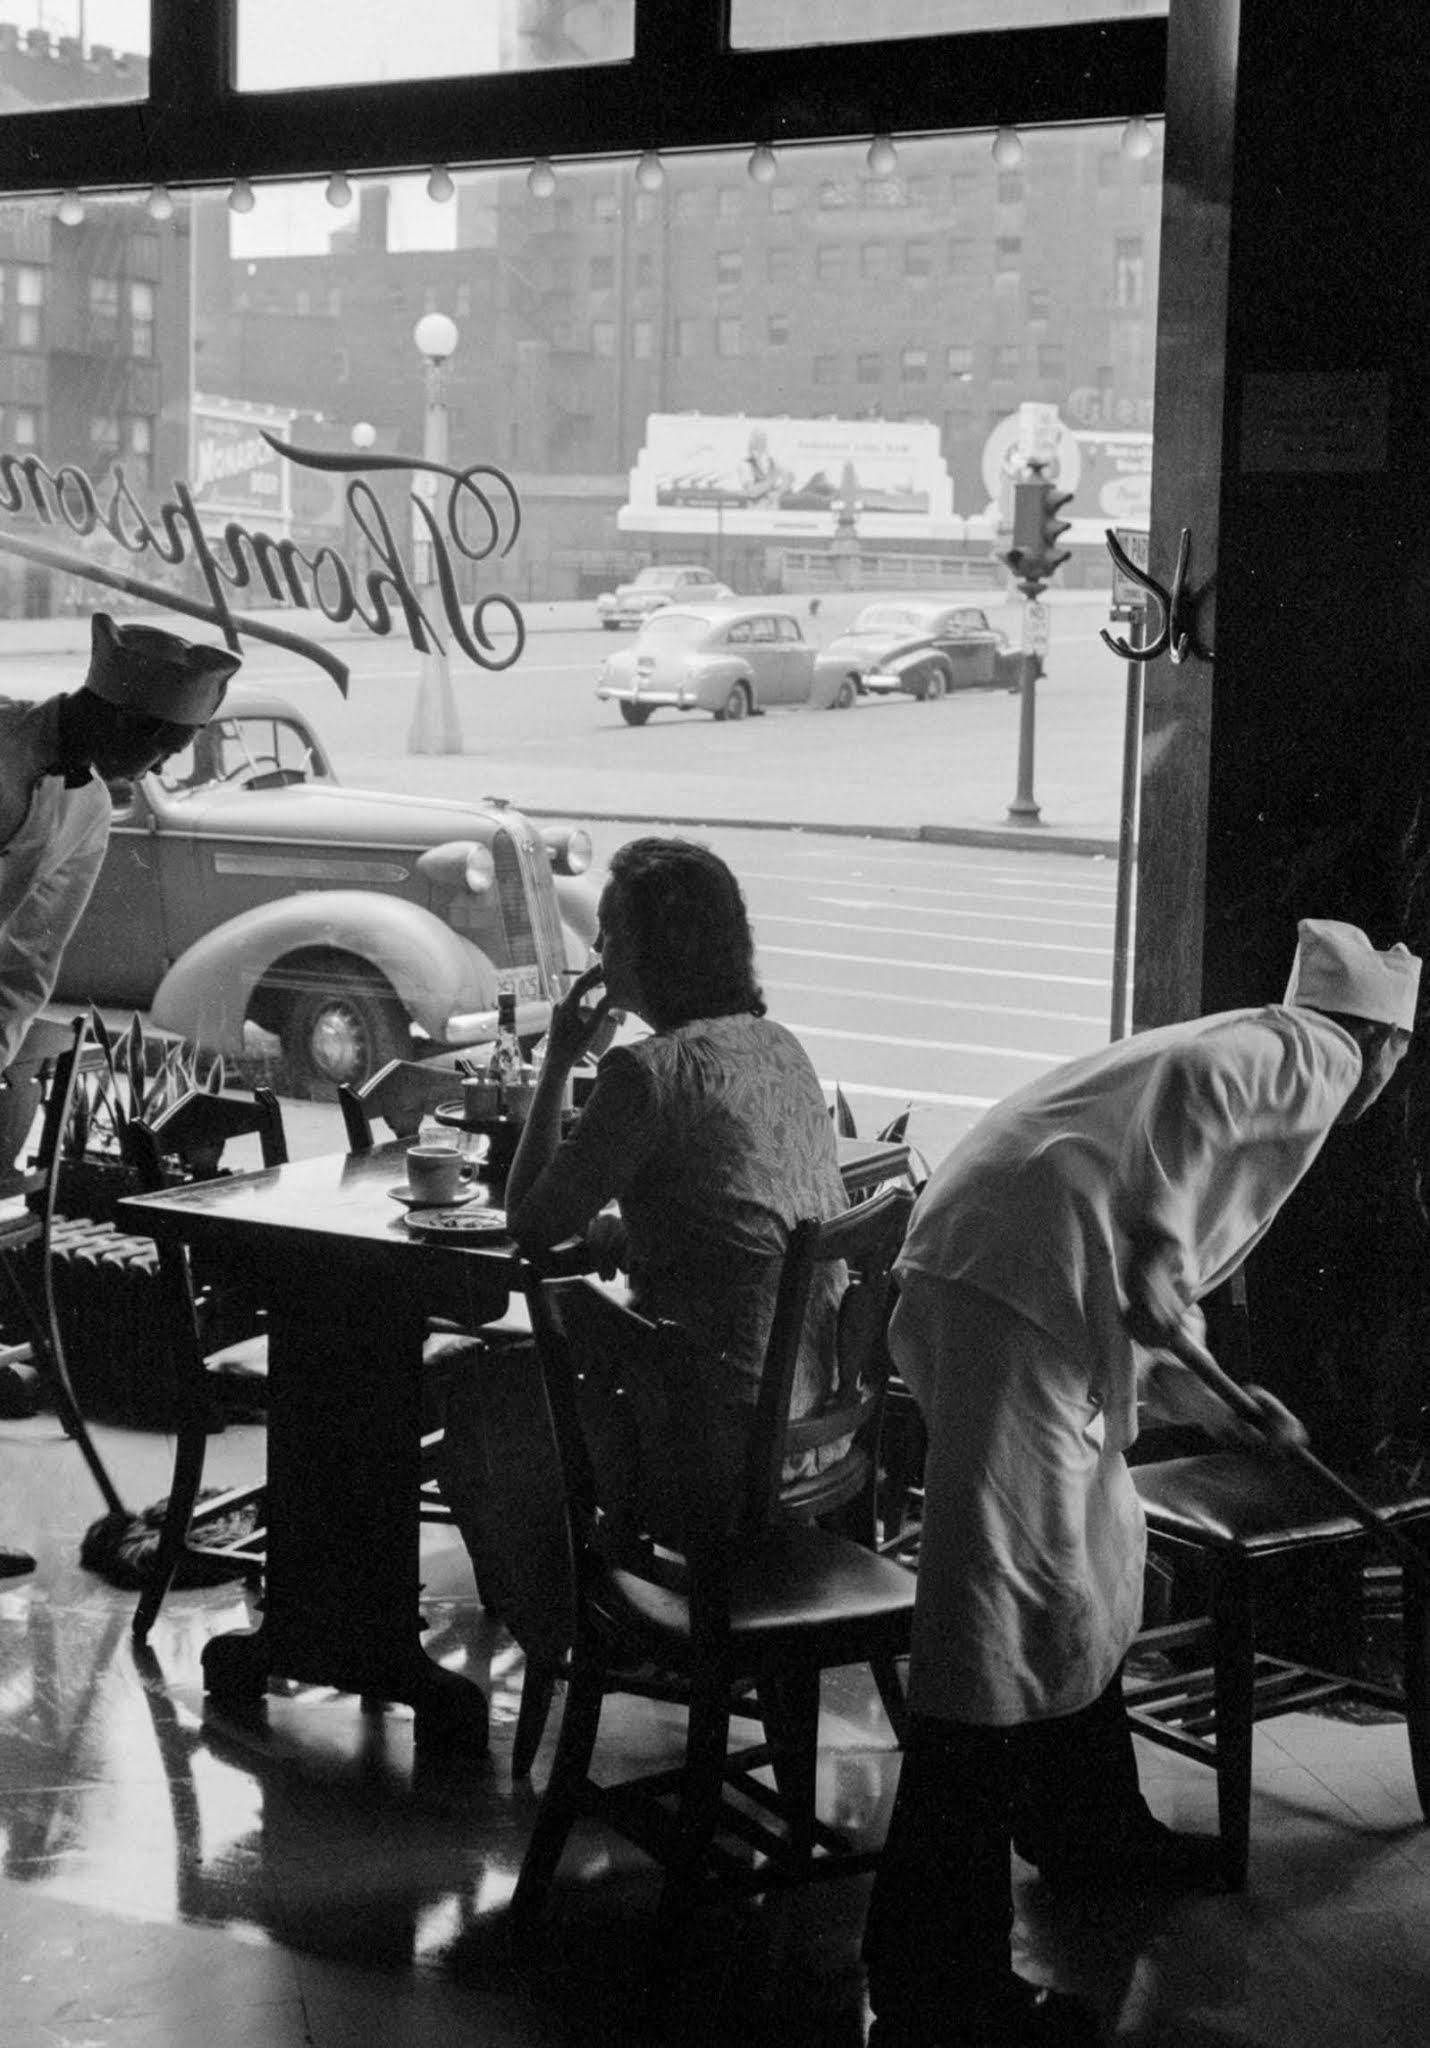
569	847
480	872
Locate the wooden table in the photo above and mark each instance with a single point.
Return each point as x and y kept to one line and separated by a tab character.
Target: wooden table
349	1290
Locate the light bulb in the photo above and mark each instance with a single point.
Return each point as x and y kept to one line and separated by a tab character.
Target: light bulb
650	172
763	166
70	211
159	204
364	433
439	184
1008	149
241	197
541	179
339	192
1136	139
883	158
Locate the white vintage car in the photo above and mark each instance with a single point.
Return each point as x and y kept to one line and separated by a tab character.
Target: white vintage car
631	604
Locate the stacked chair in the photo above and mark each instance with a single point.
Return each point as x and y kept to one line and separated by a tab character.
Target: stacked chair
730	1606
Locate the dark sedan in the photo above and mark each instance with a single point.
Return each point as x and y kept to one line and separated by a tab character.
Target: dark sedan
923	647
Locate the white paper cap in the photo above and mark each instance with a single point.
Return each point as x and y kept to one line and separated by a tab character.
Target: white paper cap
1337	968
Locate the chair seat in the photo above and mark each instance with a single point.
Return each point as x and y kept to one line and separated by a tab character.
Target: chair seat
1245	1502
805	1582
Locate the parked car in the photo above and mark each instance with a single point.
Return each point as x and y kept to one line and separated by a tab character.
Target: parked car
922	646
729	659
670	583
242	882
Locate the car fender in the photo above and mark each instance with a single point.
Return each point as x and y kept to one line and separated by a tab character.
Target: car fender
716	677
579	916
435	972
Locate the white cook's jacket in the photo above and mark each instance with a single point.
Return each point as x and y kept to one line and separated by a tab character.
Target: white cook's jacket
1033	1536
52	842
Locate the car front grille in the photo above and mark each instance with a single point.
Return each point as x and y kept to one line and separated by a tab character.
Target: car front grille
526	892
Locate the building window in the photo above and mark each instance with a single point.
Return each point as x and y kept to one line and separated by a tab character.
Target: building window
603	273
918	191
829	262
963	186
962	255
605	206
918	259
647	208
1007	363
831	195
141	319
1053	361
874	259
302	304
565	210
729	337
334	302
957	423
563	274
1040	303
1109	169
729	202
687	337
1011	189
958	360
914	365
603	337
1127	266
642	340
825	370
104	309
779	265
645	268
24	428
729	266
104	433
431	298
139	449
1007	254
687	204
869	369
777	330
782	198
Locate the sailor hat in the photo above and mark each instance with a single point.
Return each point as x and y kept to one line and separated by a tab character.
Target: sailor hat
156	674
1337	968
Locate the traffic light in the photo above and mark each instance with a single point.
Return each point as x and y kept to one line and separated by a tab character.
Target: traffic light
1033	555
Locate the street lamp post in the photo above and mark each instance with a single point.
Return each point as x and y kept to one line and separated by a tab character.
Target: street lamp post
363	437
435	727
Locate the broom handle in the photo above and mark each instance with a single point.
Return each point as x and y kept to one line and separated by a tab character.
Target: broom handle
1199	1360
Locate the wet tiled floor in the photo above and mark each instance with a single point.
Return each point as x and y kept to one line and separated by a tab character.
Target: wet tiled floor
174	1880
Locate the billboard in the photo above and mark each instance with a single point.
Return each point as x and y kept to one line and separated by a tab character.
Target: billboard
233	472
1108	471
781	478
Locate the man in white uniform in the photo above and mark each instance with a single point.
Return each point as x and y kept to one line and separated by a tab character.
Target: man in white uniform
145	695
1068	1236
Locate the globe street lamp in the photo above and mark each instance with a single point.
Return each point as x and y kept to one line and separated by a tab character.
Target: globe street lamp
435	728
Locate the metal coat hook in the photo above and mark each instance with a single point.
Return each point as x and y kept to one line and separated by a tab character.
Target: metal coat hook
1171	635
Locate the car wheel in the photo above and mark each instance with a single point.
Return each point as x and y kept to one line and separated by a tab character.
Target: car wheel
635	714
932	685
846	695
736	704
344	1028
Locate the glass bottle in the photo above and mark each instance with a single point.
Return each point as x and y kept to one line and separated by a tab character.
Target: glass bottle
506	1067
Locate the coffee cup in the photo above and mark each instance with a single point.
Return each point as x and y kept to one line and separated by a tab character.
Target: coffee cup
434	1172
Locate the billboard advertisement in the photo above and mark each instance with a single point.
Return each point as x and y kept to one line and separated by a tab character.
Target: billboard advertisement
1108	471
233	473
780	478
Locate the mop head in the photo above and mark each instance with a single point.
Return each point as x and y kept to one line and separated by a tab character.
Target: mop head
123	1548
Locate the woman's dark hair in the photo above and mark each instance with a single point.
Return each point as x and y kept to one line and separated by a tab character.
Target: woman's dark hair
683	912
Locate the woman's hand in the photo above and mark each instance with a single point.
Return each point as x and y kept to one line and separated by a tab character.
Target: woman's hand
1157	1299
606	1244
580	1030
1275	1424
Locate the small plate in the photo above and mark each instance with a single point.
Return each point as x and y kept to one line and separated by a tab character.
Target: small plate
408	1200
457	1222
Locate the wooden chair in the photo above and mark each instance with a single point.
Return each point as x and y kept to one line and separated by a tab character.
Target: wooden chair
401	1094
683	1564
1244	1527
867	1238
27	1241
189	1138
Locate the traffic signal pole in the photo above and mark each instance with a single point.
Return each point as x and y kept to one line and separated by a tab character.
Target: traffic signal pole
1034	558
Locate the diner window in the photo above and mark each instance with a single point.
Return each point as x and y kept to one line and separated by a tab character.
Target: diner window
284	43
918	259
729	337
729	266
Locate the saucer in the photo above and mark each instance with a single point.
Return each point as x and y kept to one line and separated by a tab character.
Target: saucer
455	1221
408	1200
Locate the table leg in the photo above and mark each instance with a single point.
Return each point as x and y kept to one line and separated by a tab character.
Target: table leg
341	1585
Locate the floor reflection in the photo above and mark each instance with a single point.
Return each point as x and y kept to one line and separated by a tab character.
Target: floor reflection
171	1875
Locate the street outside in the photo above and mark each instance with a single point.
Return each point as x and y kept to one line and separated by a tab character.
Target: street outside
923	952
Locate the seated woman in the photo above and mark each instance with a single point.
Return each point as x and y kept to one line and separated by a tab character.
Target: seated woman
711	1134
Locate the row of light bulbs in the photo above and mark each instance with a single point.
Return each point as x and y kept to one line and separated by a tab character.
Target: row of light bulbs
882	158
